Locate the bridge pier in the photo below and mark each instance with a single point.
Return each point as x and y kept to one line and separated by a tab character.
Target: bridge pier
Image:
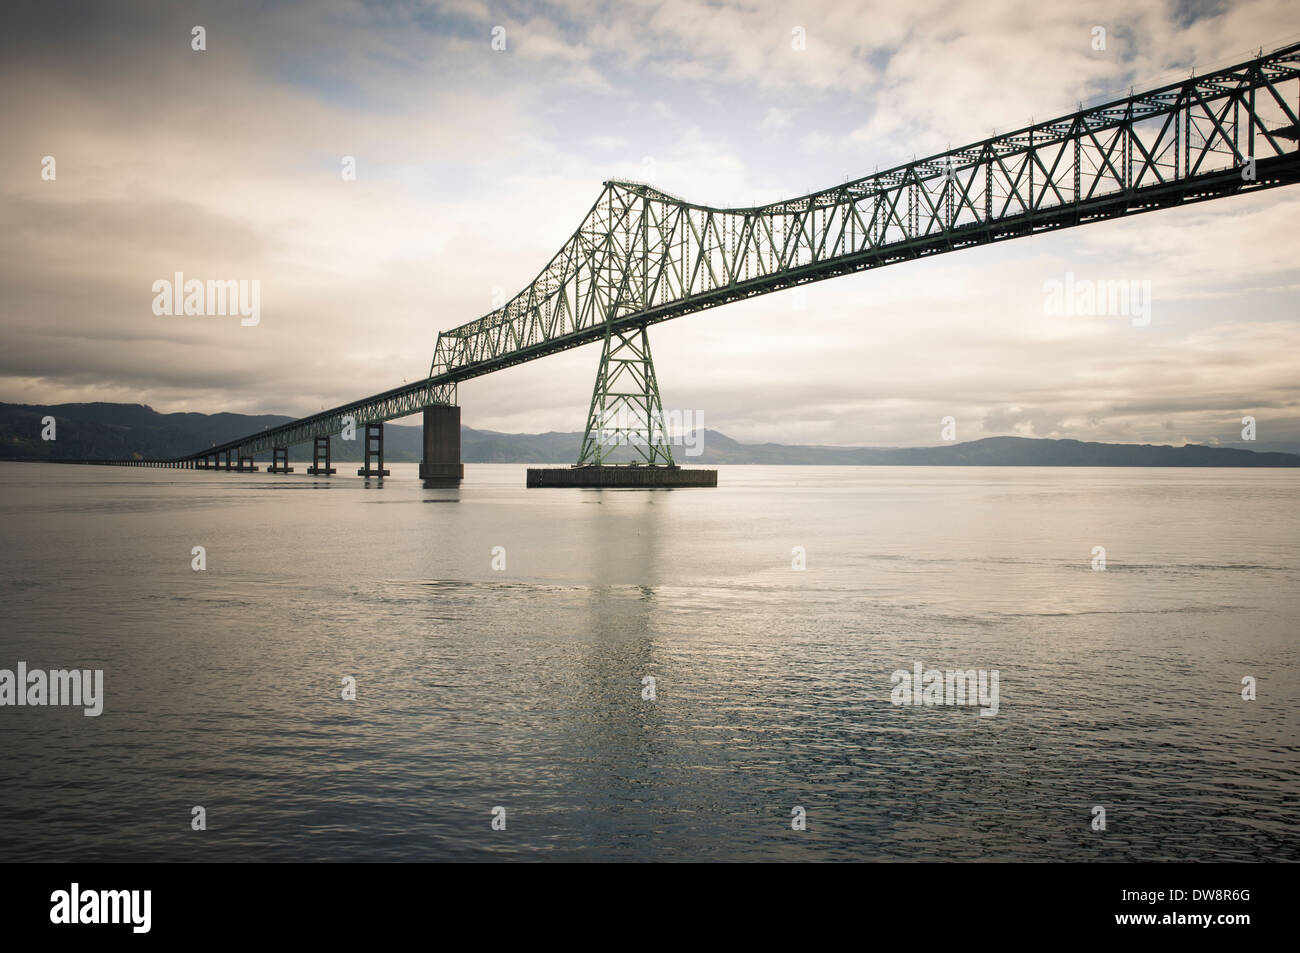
246	464
441	463
229	466
321	458
374	466
279	461
626	412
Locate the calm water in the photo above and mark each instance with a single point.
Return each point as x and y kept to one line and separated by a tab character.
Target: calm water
521	687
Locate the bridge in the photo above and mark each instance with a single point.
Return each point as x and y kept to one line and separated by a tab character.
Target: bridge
641	256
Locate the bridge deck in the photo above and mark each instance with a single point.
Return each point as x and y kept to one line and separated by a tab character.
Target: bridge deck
642	256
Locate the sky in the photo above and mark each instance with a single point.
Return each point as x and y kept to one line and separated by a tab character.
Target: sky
473	165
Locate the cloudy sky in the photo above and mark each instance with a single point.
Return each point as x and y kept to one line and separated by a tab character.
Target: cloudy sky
473	165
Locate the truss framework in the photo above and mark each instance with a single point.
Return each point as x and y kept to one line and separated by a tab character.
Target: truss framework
390	405
625	408
641	255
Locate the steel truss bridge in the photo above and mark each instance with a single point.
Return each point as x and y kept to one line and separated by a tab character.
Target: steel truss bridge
641	256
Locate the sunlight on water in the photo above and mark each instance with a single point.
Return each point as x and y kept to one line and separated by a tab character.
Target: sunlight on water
522	686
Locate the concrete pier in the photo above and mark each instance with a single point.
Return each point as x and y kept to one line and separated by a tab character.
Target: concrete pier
279	461
374	447
620	476
321	458
441	463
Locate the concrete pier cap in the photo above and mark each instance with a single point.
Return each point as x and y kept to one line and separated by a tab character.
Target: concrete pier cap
621	476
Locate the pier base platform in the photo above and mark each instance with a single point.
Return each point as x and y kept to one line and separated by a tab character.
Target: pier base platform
620	476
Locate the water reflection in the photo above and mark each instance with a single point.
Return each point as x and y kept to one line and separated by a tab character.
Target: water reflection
523	687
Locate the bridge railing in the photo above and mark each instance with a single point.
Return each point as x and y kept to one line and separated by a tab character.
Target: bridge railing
640	250
641	255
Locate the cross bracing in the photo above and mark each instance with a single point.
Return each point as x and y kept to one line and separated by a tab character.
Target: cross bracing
641	256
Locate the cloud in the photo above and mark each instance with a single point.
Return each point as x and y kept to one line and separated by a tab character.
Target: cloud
474	165
776	118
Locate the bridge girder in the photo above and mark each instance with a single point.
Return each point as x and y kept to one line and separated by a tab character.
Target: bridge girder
641	256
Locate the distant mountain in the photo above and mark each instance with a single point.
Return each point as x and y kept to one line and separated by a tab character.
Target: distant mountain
116	431
1018	452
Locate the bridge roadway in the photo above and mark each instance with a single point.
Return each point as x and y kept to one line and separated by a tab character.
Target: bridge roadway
642	256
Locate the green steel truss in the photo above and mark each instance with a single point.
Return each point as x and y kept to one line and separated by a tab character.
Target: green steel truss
642	256
390	405
626	413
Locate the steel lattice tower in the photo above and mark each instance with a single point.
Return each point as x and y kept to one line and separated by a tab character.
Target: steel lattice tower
625	406
641	255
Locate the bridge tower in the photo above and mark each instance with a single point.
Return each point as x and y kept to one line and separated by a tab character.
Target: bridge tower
625	407
626	441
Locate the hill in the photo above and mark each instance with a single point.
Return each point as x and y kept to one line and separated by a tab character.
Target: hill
116	431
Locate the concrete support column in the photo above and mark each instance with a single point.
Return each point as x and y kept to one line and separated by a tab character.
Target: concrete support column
374	466
321	458
441	462
279	461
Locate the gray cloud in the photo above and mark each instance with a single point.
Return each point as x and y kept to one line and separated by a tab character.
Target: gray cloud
473	166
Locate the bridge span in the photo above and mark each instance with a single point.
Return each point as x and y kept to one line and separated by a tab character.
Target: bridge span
641	256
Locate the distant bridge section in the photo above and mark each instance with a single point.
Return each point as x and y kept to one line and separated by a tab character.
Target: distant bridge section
642	256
